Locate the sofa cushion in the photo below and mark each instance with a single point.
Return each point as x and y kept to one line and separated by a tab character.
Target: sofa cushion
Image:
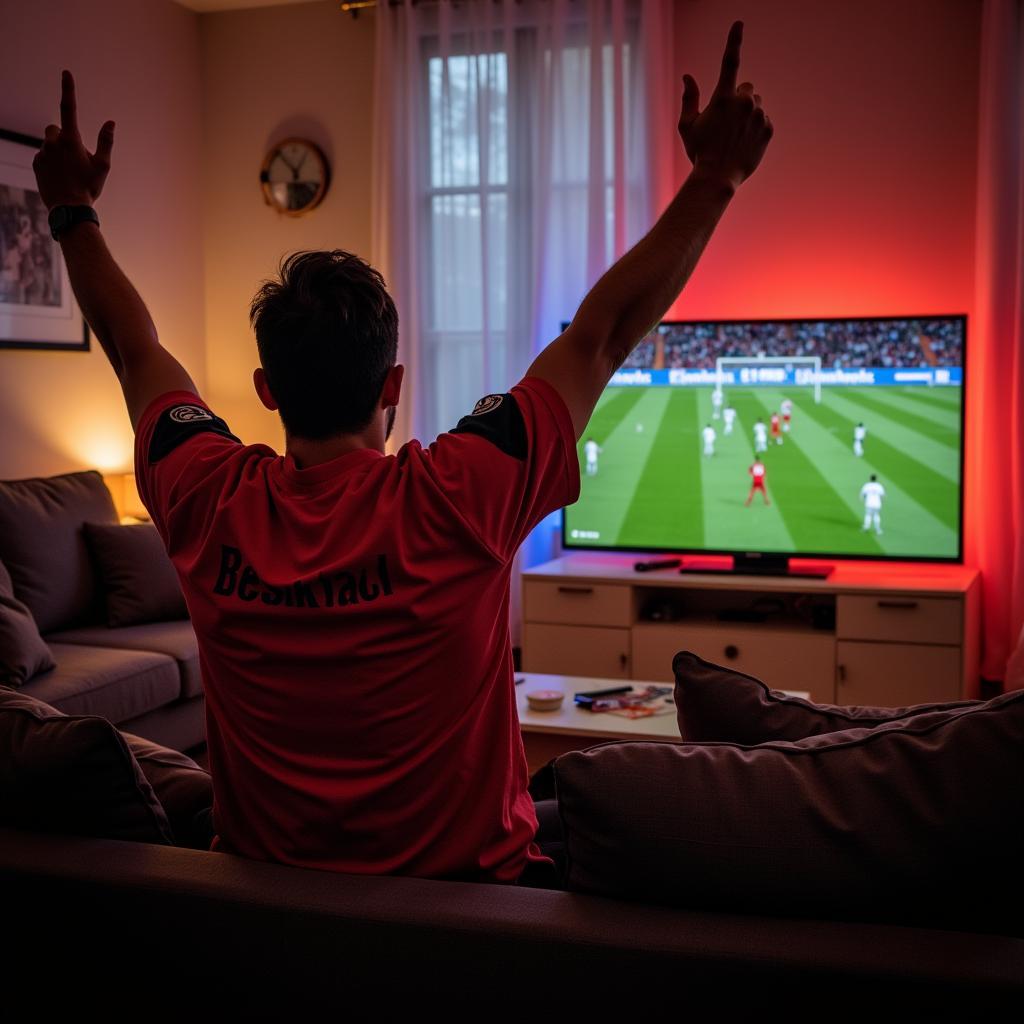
915	821
73	775
718	703
139	582
175	639
43	546
115	684
23	653
184	790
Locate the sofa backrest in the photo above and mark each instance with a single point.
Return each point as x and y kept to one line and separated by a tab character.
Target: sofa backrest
43	546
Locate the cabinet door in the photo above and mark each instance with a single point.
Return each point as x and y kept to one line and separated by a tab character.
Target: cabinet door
896	675
576	650
781	659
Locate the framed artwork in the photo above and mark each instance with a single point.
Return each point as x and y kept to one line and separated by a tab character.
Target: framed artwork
37	307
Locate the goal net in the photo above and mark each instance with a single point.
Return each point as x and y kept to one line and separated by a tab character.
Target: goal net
780	371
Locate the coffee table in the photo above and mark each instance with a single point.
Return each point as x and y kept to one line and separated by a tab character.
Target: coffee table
546	734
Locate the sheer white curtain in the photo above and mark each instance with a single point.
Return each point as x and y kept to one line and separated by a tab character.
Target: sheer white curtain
521	148
512	165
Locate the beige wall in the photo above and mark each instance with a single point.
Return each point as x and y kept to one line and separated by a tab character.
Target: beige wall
137	62
303	70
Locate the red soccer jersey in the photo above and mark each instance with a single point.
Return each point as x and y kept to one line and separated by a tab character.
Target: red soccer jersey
352	620
757	471
775	422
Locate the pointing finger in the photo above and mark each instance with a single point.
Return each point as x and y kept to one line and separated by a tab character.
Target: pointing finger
68	106
730	60
105	143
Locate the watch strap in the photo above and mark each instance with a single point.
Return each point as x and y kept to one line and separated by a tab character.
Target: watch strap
63	217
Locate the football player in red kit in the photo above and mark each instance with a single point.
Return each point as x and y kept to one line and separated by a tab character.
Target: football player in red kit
757	477
776	428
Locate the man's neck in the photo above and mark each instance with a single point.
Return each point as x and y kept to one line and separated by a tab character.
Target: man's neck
306	453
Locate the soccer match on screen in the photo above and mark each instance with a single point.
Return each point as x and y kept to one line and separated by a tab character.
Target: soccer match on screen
831	437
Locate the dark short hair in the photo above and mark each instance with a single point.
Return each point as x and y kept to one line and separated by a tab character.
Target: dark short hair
327	334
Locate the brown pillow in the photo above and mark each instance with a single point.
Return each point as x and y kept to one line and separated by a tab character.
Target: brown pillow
138	579
184	790
919	821
717	703
42	545
23	653
73	775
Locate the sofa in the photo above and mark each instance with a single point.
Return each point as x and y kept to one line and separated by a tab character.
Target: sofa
67	559
132	922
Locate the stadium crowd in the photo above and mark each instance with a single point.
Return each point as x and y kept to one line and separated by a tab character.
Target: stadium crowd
848	343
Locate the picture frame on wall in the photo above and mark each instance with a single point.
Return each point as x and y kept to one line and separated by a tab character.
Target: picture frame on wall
37	307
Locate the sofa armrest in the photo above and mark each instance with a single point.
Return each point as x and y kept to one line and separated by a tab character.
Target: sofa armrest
135	917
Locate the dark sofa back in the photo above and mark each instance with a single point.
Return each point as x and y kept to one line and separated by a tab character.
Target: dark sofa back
191	932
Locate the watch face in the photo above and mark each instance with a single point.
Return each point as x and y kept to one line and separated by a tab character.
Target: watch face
294	176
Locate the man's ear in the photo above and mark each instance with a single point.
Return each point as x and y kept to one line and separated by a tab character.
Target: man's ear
259	380
392	390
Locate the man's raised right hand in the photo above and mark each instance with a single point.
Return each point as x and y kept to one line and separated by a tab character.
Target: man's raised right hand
729	136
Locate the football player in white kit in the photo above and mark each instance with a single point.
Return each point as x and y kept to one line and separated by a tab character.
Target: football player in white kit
859	433
729	415
786	408
591	449
872	494
760	436
716	403
709	435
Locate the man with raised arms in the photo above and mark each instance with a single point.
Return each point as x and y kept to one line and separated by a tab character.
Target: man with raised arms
351	607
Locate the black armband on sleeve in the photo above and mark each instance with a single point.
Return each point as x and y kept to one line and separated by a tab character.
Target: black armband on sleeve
499	419
180	422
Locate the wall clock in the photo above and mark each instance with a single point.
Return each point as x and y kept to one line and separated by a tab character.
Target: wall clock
294	176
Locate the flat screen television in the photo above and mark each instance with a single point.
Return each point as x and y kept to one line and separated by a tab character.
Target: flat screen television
836	438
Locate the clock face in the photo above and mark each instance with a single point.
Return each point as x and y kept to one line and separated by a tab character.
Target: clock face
294	176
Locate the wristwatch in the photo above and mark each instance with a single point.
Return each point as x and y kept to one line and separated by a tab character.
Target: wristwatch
64	217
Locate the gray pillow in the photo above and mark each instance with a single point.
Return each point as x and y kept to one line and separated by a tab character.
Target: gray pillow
139	582
919	821
23	653
42	545
718	703
73	775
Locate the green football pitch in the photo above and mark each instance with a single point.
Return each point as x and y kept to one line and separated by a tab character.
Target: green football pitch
654	487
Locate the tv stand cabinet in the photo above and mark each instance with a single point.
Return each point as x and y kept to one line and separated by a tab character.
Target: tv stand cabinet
882	634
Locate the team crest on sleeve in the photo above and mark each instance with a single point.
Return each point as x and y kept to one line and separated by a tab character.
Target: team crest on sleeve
189	414
486	404
177	424
498	419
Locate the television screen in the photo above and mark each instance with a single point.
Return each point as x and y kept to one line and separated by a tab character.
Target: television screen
838	437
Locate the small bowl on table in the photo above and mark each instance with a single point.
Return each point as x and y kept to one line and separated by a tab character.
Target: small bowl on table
545	700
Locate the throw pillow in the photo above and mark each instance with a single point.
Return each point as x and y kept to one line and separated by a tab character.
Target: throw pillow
73	775
184	790
717	703
23	653
42	545
917	822
138	579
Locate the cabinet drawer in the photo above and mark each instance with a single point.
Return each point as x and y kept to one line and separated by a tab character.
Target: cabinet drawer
576	651
780	659
577	603
906	619
896	675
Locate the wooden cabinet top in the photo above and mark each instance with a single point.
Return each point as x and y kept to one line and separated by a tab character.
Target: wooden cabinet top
846	577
